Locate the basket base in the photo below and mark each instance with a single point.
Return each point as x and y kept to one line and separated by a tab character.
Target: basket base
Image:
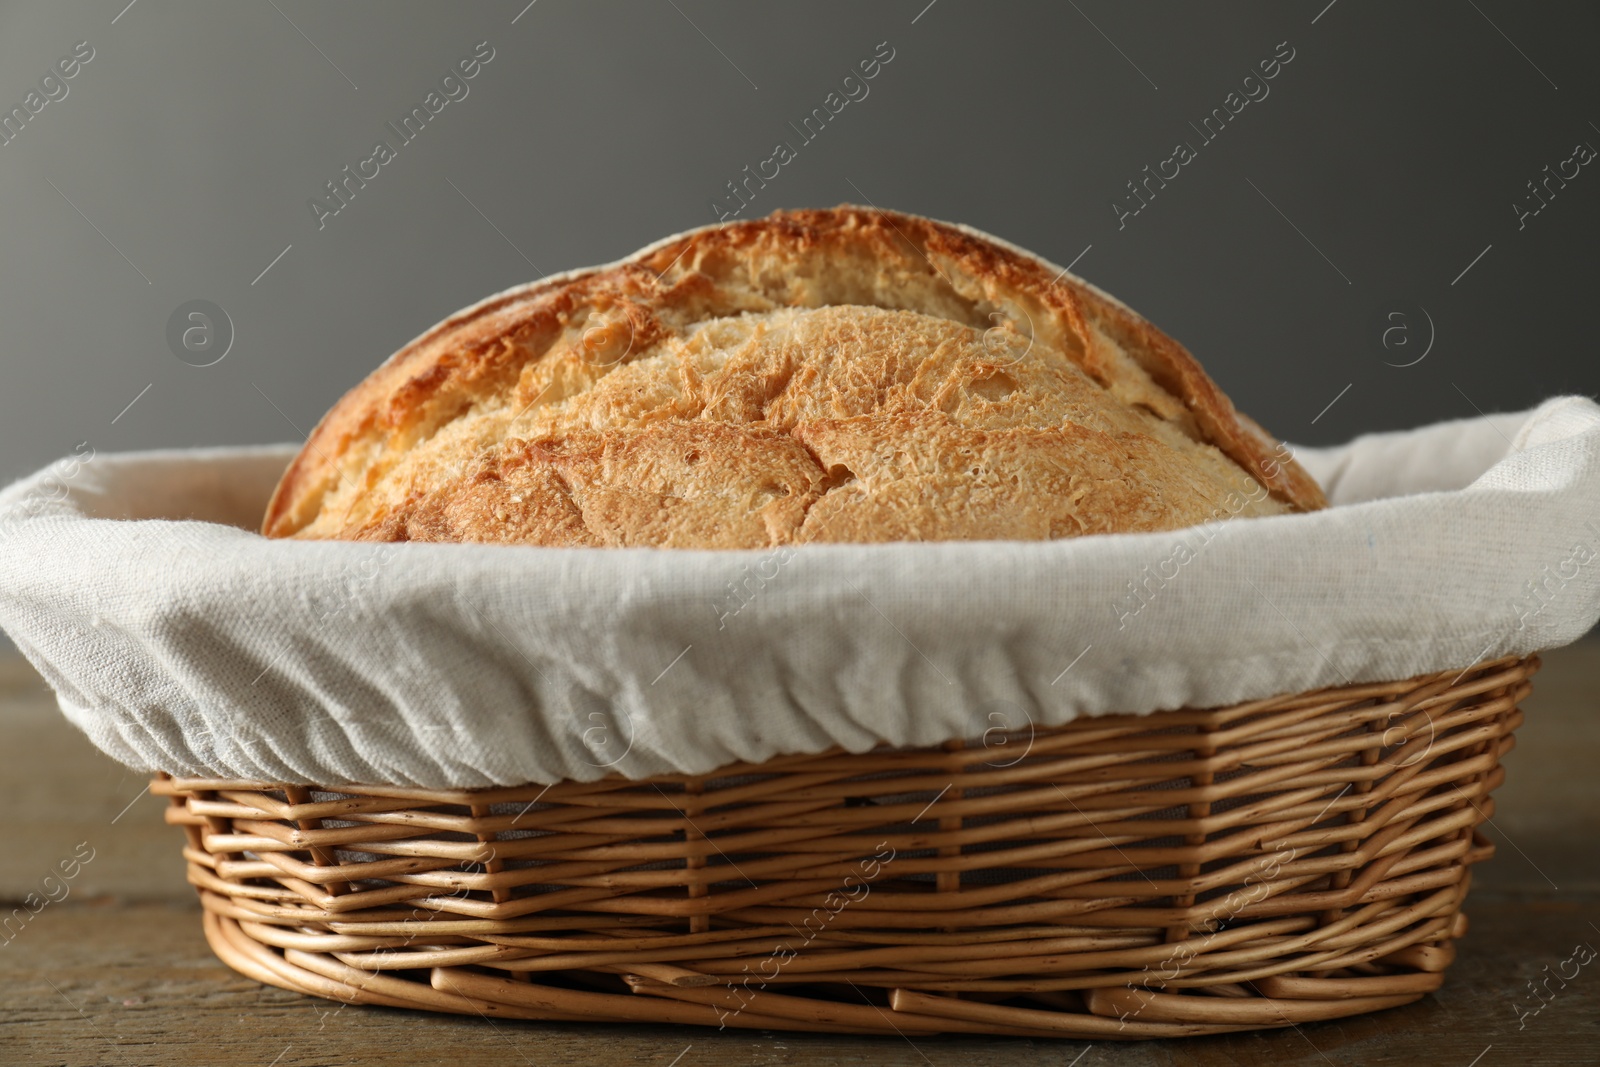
463	991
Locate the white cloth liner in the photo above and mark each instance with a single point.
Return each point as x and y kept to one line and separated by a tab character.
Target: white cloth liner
180	640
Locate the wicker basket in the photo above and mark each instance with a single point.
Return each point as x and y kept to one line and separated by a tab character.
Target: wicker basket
1184	872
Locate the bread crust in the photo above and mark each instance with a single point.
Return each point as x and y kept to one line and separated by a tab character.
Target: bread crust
846	374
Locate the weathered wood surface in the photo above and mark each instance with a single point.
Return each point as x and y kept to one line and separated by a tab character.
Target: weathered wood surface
116	971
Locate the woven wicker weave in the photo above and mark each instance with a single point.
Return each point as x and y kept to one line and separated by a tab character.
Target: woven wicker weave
1184	872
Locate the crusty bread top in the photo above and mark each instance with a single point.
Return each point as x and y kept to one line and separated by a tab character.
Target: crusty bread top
838	375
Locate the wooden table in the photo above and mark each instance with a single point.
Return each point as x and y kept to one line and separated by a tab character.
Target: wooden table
116	971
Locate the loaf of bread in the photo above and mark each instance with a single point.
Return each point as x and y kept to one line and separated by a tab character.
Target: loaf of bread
832	375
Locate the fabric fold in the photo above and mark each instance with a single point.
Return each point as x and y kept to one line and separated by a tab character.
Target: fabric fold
180	640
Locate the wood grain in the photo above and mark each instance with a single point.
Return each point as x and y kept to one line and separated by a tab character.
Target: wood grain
117	972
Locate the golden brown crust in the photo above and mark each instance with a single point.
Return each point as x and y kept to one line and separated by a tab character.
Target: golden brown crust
839	375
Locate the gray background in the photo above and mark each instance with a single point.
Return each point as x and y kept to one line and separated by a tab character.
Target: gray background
1385	159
